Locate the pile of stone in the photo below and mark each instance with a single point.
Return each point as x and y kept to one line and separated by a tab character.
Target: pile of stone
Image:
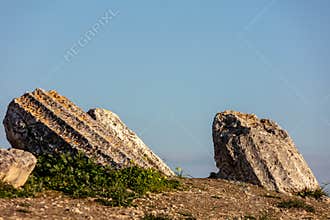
45	122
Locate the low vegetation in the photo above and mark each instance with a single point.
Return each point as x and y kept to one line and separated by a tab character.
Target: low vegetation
295	203
80	177
316	194
179	172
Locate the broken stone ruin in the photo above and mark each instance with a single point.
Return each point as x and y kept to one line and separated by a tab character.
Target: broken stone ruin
47	122
260	152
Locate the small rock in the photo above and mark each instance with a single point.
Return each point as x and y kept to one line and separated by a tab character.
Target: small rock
16	166
75	210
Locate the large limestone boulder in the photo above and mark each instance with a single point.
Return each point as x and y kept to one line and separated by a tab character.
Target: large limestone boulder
127	138
260	152
16	166
46	122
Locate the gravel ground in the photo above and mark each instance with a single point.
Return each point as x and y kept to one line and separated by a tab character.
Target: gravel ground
200	199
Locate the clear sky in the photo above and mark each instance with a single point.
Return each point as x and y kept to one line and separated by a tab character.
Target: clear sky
167	67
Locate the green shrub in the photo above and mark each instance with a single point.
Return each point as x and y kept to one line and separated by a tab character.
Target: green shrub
7	191
80	177
316	194
299	204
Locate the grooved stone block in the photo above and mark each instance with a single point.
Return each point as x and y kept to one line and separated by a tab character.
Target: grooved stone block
127	138
46	122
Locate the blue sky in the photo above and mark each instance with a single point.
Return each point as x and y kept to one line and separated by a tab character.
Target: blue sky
167	67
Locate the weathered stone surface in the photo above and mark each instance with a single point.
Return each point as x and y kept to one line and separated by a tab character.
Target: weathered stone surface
16	166
258	151
126	138
46	122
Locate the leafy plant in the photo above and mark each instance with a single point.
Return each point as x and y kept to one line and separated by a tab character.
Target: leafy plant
299	204
316	194
80	177
8	191
178	171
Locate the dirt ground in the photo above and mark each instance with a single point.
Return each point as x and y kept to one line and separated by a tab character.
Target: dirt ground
200	199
